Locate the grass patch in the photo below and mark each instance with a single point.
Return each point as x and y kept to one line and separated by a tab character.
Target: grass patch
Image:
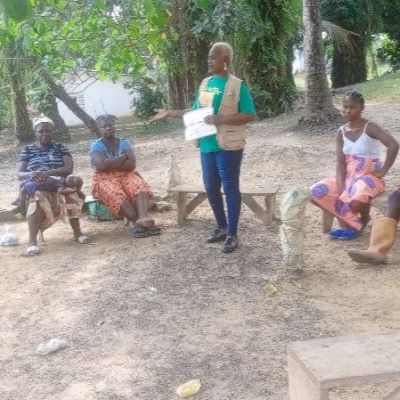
384	89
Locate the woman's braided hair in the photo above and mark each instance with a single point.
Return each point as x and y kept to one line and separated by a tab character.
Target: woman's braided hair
106	118
356	97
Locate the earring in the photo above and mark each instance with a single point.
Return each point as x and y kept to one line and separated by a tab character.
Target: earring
225	67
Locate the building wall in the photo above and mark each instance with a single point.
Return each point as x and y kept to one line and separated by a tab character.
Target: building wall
96	98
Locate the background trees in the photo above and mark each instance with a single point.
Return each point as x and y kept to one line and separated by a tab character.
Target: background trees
162	46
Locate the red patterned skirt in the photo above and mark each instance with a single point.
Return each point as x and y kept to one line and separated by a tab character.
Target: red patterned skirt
112	188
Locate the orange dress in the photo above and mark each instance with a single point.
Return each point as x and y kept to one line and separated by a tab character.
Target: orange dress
112	188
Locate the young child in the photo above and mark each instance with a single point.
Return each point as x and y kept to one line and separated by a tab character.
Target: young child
70	184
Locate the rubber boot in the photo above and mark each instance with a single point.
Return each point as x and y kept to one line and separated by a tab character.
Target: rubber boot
383	235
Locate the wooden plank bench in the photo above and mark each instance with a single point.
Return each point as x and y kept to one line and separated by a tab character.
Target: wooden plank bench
318	366
266	215
378	202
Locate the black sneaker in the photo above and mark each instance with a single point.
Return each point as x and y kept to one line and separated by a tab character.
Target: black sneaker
219	235
230	244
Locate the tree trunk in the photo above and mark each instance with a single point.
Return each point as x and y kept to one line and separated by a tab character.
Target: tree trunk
61	94
264	65
349	64
319	104
21	122
48	106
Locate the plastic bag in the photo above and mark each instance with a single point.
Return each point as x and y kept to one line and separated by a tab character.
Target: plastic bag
292	235
9	239
50	347
173	173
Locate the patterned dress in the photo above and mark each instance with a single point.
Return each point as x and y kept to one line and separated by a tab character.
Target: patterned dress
361	184
112	188
54	205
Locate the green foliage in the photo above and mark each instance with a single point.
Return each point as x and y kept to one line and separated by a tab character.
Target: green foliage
390	52
149	98
262	34
18	10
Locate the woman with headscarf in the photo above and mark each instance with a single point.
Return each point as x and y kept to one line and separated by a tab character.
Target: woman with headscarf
43	163
221	153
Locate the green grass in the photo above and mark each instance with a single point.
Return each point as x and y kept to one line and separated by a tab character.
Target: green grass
383	89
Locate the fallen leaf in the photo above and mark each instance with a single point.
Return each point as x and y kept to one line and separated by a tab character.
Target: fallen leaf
271	288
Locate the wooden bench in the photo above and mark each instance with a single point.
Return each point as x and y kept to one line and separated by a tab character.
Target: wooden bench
266	215
317	366
378	202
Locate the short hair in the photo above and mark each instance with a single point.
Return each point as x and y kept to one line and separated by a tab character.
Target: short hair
226	48
106	118
356	97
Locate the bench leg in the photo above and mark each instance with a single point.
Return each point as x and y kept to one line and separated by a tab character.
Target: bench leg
258	211
196	201
270	208
301	387
181	206
327	221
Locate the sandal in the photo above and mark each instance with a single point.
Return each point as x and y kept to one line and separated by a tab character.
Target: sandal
139	231
154	231
349	234
82	239
32	250
336	233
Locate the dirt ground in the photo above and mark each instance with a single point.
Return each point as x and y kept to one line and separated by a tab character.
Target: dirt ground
141	316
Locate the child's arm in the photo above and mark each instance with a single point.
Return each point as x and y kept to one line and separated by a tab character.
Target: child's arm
66	190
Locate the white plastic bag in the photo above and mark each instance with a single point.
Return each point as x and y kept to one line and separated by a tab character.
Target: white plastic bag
173	174
9	239
292	234
50	347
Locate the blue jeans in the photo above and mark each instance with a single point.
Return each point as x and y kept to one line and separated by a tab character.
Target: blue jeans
223	167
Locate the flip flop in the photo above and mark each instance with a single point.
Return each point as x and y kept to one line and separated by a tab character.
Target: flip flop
139	231
32	250
154	231
349	234
336	233
82	239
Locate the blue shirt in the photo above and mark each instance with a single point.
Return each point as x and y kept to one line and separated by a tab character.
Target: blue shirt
99	146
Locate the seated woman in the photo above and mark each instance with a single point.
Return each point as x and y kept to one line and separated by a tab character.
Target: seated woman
36	164
115	182
359	173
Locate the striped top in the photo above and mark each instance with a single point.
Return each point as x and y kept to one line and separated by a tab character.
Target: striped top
44	159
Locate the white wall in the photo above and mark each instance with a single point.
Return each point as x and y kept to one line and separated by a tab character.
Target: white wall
298	62
96	98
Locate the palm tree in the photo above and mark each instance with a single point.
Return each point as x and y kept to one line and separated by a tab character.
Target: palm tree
319	104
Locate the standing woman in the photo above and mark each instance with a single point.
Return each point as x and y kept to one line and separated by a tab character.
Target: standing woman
221	153
359	172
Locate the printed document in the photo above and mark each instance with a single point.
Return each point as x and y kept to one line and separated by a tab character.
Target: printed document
196	128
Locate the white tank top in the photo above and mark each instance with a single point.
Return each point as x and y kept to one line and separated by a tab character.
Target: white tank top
364	146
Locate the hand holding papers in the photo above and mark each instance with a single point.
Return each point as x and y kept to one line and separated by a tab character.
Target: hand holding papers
196	128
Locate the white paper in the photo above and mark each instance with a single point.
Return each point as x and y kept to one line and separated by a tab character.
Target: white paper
196	128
